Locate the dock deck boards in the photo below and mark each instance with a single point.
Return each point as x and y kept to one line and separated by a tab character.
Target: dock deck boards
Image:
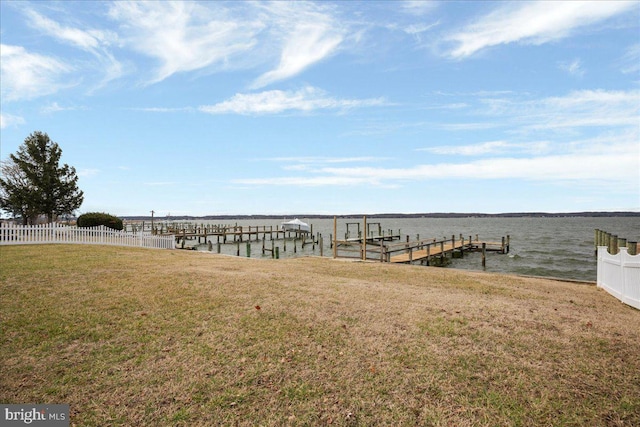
437	250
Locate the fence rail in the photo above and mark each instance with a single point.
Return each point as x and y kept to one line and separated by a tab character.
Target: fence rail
619	275
101	235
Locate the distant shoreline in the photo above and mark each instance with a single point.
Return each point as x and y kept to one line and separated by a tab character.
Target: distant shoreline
392	215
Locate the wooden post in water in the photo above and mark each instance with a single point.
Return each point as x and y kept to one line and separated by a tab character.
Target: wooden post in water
453	246
622	243
335	227
238	248
613	246
484	254
277	252
632	247
321	243
248	249
364	240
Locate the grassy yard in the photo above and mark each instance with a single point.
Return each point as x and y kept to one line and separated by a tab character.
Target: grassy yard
151	337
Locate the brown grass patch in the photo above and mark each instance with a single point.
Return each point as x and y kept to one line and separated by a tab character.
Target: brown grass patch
147	337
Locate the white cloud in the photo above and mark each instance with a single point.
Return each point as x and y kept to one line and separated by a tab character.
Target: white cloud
85	40
321	160
163	109
531	23
7	120
28	75
184	36
94	41
467	126
604	166
573	68
309	34
278	101
288	37
590	136
416	29
585	108
160	183
188	36
418	8
630	62
316	181
86	173
578	109
54	107
309	43
314	162
490	147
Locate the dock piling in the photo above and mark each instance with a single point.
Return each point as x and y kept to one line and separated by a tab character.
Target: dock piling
484	255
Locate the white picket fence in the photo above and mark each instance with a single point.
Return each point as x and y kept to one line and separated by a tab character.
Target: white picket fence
57	233
620	275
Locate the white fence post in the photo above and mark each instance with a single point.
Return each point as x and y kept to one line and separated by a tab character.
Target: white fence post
620	275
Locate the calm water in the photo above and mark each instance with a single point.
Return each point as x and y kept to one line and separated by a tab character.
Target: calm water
552	247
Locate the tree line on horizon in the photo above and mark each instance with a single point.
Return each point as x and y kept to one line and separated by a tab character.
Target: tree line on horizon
586	214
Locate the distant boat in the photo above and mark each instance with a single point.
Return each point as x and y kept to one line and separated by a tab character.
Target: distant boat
296	225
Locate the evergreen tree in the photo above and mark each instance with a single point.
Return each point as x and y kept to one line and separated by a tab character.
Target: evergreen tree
15	193
36	184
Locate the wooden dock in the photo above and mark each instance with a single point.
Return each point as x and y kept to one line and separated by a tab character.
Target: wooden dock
379	246
367	242
423	251
232	234
420	252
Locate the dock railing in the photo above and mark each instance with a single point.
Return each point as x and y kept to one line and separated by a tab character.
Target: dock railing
11	234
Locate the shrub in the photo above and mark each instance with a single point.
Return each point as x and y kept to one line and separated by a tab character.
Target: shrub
94	219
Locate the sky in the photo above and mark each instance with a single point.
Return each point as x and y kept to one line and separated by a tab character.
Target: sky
218	108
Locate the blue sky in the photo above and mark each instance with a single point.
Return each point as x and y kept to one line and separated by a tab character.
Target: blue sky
331	107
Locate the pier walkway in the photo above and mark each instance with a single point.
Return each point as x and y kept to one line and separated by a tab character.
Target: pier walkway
420	251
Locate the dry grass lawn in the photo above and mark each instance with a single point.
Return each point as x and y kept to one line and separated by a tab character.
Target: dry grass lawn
150	337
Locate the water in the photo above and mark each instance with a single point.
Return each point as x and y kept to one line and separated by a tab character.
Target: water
550	247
